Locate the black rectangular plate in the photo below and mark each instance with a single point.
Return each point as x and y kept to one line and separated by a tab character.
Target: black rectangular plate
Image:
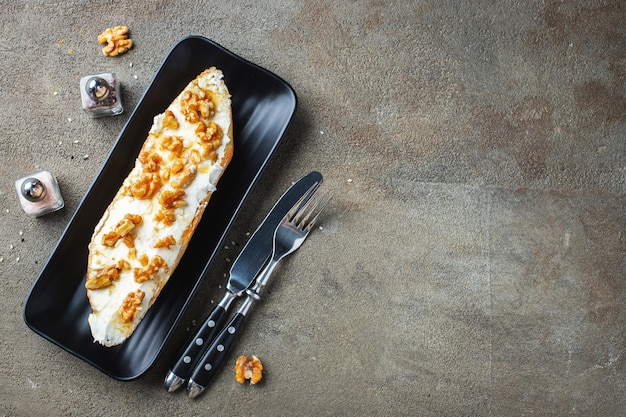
57	307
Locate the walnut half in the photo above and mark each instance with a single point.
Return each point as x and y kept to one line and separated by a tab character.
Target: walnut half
131	306
116	39
248	369
103	277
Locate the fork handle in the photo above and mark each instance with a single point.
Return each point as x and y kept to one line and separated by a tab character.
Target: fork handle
213	358
198	343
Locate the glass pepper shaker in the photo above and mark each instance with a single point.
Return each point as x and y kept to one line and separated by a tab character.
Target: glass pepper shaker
39	194
100	95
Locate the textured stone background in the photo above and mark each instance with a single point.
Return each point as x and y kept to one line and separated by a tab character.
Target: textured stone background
473	259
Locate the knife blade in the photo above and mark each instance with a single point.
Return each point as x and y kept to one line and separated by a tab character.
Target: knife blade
251	259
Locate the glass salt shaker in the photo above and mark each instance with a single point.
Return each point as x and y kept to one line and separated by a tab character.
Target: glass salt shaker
100	95
39	194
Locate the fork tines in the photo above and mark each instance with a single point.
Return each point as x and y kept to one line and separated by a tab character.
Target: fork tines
308	214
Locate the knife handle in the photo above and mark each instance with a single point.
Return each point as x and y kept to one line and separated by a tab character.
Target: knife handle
213	358
181	370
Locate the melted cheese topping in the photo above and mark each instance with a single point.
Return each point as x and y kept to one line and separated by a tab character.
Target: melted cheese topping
143	233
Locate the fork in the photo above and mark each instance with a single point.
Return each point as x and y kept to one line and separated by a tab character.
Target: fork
288	237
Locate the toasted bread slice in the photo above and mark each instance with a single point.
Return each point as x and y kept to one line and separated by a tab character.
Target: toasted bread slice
145	230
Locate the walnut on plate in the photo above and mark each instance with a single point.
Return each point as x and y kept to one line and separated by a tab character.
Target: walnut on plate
130	306
251	369
116	39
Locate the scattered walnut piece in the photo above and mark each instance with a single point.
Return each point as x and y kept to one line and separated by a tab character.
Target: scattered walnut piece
196	103
131	306
165	242
166	216
206	108
122	229
185	178
248	369
211	140
110	239
129	241
143	259
170	199
146	186
103	278
123	264
173	144
150	160
116	39
176	166
170	121
128	223
150	269
194	156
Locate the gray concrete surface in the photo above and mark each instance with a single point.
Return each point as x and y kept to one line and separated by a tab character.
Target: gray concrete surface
472	261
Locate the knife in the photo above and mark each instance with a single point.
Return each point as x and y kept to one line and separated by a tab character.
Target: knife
252	258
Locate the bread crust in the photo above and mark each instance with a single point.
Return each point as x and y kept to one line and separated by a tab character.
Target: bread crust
144	232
